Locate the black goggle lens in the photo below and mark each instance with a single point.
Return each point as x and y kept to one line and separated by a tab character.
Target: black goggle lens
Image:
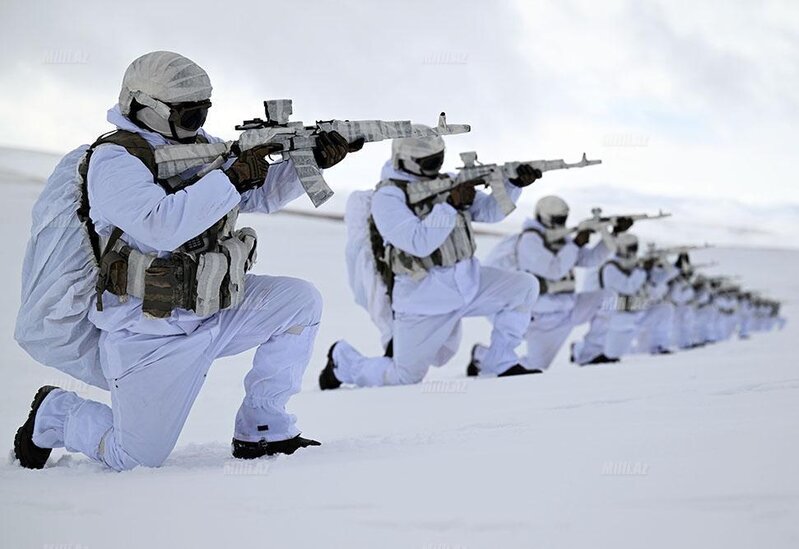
431	163
558	220
190	116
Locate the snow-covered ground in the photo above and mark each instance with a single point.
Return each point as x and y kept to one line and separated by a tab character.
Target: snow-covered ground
697	449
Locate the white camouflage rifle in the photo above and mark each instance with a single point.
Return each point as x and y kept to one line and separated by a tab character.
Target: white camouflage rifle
707	265
494	175
597	223
298	141
724	283
653	251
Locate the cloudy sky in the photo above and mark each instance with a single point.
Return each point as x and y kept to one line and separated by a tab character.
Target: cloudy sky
691	98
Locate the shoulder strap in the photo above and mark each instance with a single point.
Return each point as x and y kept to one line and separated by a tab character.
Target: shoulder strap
549	246
534	230
382	264
132	142
135	145
519	241
602	271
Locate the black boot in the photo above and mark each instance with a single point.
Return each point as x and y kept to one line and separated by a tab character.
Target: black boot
328	379
518	370
602	359
472	370
253	450
29	455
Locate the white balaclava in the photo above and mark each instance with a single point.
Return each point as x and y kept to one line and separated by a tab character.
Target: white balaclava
159	80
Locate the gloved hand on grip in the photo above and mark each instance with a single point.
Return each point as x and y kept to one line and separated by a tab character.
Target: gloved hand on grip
462	196
249	169
622	224
582	237
331	148
526	175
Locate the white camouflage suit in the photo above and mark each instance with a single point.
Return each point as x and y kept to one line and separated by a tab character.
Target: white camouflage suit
555	314
612	331
655	329
682	294
428	312
156	367
726	320
704	317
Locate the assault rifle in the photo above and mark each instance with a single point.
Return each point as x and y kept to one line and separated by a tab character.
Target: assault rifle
596	223
707	265
298	141
675	250
494	175
723	283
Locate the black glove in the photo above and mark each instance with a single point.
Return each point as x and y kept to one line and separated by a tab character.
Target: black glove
526	175
462	196
582	237
356	145
682	262
649	263
622	224
249	169
289	446
331	148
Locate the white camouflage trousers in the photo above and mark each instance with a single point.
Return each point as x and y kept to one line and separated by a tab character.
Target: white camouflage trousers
548	331
155	379
419	340
611	334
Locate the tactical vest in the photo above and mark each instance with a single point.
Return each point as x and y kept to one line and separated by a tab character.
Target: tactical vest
421	196
679	280
204	275
625	303
565	285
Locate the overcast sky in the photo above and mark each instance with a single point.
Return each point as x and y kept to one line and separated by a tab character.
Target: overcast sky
676	97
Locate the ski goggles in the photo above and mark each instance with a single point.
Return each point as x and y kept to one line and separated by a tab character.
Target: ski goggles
189	116
432	163
630	251
558	220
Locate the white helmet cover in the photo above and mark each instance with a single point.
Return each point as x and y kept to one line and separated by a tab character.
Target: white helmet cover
407	151
550	207
162	77
627	245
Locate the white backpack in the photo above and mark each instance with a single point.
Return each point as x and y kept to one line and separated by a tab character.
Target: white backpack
59	274
504	255
367	286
